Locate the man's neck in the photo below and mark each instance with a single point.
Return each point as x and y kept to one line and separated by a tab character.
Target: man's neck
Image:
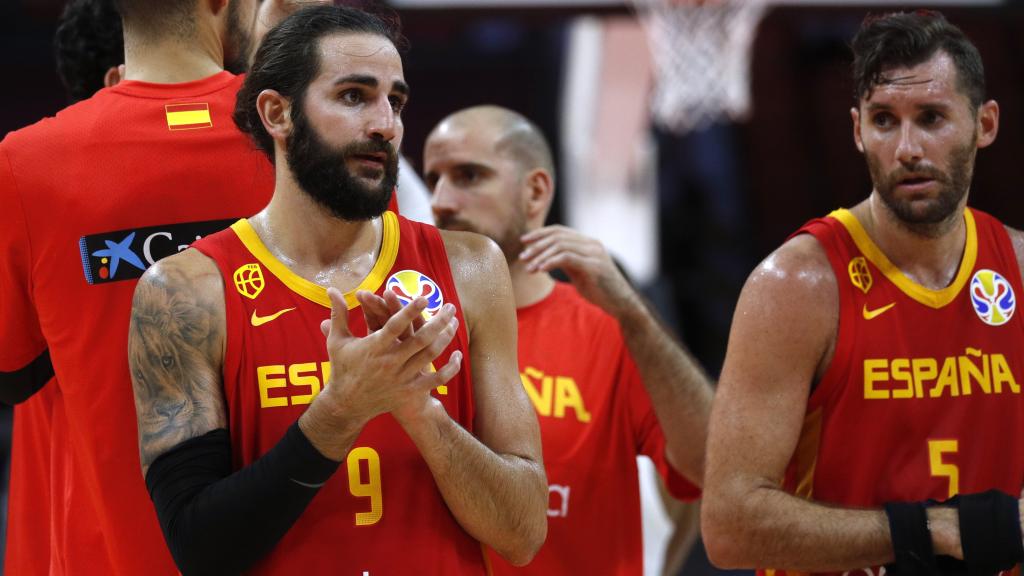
172	60
931	260
314	243
529	287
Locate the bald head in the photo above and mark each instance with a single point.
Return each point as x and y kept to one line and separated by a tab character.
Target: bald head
490	171
510	132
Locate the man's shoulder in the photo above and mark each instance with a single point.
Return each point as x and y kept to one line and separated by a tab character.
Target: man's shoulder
467	245
189	272
63	126
796	276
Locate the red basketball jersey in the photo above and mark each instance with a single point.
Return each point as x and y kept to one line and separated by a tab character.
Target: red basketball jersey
88	200
381	513
595	419
922	398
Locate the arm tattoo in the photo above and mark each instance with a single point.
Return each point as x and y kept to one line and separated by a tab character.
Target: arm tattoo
174	351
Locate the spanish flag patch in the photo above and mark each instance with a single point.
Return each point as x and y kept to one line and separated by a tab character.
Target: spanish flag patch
188	116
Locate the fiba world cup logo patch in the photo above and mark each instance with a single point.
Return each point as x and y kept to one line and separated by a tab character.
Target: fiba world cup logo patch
410	284
992	297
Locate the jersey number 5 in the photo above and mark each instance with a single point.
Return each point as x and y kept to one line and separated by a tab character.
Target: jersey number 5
368	487
940	468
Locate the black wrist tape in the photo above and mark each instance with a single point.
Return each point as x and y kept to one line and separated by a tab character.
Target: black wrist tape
911	540
990	532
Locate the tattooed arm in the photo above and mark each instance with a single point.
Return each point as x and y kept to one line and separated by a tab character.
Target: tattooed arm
175	351
216	519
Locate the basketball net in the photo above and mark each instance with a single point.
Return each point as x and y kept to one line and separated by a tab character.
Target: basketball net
701	51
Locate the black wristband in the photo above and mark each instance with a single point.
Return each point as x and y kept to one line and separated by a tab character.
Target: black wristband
911	540
990	532
219	522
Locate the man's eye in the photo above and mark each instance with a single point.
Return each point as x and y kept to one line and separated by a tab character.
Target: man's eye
930	118
397	104
351	96
882	120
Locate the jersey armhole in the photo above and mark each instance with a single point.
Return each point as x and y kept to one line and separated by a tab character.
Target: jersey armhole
828	235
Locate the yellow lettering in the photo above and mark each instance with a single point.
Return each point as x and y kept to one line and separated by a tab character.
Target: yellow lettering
568	396
900	370
368	487
1001	374
936	449
875	370
267	377
924	369
947	379
541	399
296	378
969	370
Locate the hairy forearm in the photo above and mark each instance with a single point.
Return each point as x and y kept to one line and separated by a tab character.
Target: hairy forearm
770	528
499	499
680	391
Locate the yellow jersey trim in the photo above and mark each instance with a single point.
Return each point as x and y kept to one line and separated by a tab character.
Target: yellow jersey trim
926	296
315	292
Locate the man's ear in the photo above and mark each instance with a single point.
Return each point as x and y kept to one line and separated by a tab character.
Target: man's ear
276	113
988	123
114	75
539	192
855	116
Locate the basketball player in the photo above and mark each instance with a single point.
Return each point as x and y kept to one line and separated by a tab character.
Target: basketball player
875	360
90	198
592	356
89	49
245	415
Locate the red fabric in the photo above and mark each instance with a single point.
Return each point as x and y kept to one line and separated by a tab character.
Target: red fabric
567	345
876	450
416	533
107	164
28	506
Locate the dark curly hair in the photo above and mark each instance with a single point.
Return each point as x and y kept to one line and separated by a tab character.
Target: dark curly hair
905	39
88	42
289	59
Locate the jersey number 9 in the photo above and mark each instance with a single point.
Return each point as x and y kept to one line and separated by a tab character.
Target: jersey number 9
368	487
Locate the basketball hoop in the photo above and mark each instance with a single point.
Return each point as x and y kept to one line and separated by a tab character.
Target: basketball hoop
701	52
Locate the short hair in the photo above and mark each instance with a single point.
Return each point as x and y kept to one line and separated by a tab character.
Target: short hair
289	59
525	143
905	39
89	41
160	17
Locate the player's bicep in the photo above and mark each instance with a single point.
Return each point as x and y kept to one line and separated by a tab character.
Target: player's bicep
505	420
175	353
782	331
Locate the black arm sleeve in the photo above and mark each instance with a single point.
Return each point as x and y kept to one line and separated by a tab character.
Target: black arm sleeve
217	522
20	385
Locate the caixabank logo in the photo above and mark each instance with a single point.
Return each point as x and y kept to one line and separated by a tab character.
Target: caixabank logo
126	254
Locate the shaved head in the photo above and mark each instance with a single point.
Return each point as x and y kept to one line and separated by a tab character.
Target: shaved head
514	134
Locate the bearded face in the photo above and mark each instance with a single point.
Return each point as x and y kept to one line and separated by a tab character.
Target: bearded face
950	185
322	171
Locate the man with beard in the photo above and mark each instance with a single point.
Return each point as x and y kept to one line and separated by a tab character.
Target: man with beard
92	197
244	414
869	411
592	356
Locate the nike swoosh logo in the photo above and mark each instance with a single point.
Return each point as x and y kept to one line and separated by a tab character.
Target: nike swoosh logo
261	320
872	314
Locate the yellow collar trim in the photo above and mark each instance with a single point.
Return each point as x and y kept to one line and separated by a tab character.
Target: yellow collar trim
311	290
926	296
